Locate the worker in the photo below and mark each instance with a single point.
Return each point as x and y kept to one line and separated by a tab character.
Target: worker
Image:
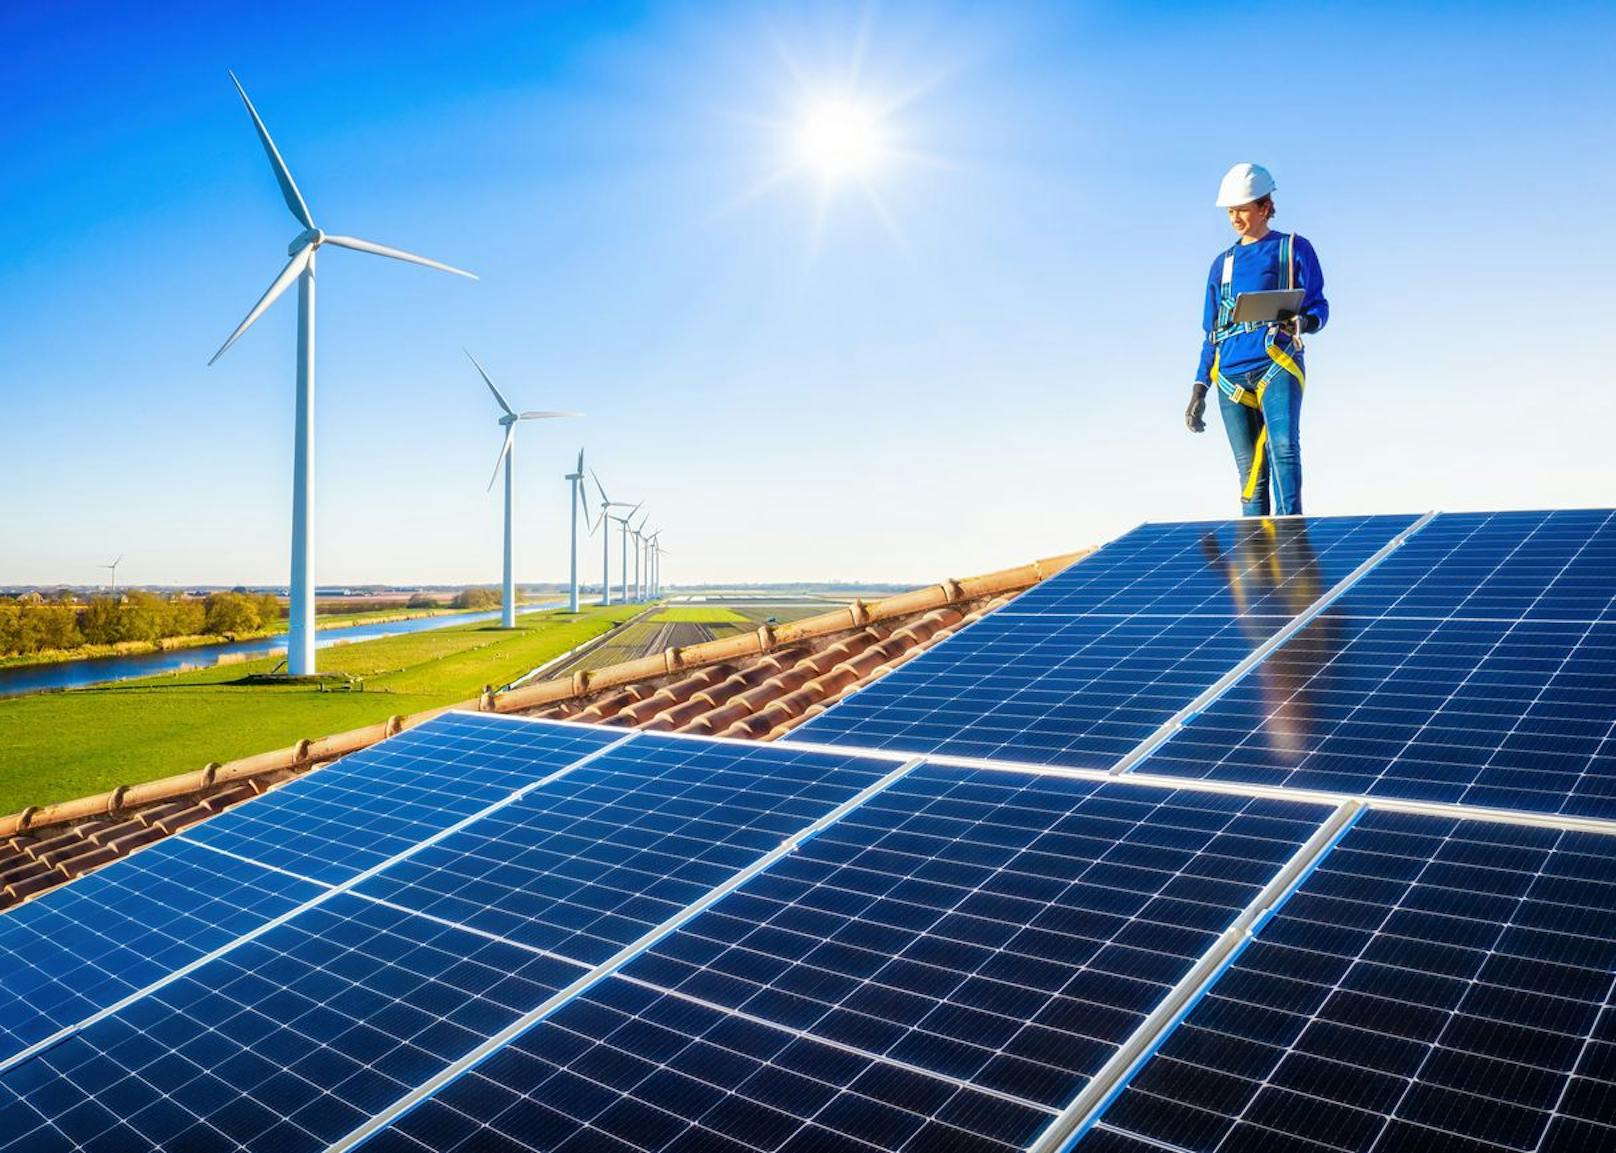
1257	367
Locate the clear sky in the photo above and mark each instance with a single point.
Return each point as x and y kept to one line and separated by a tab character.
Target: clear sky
976	354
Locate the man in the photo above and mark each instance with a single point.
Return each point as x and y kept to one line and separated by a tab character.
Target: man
1257	366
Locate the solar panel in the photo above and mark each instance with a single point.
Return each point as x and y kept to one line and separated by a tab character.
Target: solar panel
1082	668
588	864
626	1069
331	825
84	946
1434	984
1378	696
976	942
286	1042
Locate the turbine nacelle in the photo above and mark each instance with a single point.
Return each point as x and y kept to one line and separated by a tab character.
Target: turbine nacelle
308	238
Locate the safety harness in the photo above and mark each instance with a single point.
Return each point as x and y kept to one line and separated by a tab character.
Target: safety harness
1285	360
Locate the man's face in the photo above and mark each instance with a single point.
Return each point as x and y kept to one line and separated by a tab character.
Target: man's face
1249	219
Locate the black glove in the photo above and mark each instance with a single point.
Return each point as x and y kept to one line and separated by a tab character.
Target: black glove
1305	322
1197	409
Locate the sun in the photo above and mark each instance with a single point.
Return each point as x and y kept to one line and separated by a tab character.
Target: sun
839	140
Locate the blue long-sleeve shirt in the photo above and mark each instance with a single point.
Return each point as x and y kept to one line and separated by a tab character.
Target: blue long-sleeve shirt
1257	268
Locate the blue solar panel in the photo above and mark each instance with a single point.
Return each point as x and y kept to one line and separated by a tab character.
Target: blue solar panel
82	947
1082	668
1435	984
953	957
1005	929
1376	697
332	825
591	862
285	1043
626	1069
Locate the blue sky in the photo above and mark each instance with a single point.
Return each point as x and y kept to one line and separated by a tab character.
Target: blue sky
981	360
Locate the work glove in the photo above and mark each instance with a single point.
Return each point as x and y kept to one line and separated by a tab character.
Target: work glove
1197	410
1304	322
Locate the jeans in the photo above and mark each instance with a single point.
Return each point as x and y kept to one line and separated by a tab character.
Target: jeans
1281	414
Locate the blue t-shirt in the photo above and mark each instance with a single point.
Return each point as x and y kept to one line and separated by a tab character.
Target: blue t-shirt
1257	268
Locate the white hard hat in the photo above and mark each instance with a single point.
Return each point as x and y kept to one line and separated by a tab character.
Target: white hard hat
1244	183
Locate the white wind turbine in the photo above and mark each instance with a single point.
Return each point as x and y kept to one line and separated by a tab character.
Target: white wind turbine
300	624
507	458
639	550
623	520
578	498
606	505
114	567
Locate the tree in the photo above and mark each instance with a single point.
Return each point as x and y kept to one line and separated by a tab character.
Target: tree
99	622
424	601
478	598
230	613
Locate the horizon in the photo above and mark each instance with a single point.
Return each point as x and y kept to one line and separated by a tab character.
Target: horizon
955	367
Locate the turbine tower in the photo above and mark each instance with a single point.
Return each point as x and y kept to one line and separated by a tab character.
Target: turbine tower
507	458
300	623
578	498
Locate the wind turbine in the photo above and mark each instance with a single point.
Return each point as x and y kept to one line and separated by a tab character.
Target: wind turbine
300	624
623	520
507	458
606	505
114	567
578	498
639	548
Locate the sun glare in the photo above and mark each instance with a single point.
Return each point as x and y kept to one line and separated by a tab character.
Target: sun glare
838	139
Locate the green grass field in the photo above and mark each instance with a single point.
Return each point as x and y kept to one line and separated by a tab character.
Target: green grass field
699	615
55	746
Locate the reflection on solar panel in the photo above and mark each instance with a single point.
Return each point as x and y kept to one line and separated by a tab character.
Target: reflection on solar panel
1475	665
495	933
1082	668
1434	984
329	826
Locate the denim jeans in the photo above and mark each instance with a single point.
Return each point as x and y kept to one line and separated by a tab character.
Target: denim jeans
1281	414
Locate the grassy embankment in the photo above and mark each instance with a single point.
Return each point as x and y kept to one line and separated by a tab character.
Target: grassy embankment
54	746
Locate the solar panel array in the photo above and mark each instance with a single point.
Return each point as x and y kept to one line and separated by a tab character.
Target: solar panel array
1323	858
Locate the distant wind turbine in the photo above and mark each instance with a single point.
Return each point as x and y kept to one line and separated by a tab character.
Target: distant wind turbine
578	498
300	625
506	458
639	549
114	567
606	505
623	520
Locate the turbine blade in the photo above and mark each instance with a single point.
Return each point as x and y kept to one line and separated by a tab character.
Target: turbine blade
580	468
503	403
545	415
283	175
604	498
358	245
510	435
294	267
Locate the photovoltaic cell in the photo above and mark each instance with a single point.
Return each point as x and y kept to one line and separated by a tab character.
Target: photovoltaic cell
592	861
332	825
626	1069
1377	697
1434	984
1082	668
77	949
286	1042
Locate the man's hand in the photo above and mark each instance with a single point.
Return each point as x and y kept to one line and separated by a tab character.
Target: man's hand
1297	322
1194	414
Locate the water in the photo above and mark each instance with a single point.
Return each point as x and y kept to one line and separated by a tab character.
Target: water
102	670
